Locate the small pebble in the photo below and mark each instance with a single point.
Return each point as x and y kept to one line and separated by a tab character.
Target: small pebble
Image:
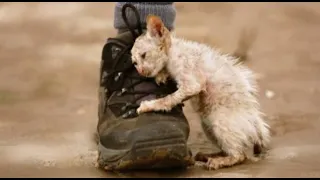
269	94
81	111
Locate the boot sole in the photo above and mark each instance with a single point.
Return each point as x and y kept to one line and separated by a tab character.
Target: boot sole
156	154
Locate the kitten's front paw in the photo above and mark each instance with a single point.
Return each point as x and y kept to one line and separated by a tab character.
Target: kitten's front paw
145	106
153	105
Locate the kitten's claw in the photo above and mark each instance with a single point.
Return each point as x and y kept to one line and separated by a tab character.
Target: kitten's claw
213	164
200	164
207	162
153	105
139	110
161	78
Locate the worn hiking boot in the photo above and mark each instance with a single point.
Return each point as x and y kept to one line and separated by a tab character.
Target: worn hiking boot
127	140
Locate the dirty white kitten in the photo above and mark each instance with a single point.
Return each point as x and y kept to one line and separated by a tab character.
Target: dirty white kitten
221	91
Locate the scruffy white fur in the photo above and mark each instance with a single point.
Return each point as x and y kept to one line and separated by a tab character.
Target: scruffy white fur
221	91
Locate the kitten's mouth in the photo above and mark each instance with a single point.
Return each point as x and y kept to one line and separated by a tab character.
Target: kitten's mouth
144	73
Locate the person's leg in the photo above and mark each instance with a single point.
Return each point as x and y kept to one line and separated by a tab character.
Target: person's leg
126	140
165	10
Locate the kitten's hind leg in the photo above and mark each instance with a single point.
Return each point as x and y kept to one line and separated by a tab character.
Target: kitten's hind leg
233	135
203	157
224	161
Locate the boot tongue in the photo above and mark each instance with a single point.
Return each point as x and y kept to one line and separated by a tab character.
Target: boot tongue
124	83
126	61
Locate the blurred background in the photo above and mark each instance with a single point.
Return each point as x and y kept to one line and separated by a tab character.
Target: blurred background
49	67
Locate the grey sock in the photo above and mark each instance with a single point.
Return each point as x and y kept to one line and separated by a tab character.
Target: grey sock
165	10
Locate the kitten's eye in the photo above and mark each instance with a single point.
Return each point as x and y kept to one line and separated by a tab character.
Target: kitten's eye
143	55
134	63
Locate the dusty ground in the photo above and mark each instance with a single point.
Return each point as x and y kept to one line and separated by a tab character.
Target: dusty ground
49	61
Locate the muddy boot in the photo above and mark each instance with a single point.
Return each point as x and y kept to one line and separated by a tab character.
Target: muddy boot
127	140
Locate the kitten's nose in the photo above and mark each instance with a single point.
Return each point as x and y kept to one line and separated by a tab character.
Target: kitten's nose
142	72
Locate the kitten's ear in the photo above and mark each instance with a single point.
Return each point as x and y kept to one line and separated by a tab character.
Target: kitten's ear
155	26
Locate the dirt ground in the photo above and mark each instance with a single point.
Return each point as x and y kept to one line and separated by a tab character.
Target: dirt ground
49	62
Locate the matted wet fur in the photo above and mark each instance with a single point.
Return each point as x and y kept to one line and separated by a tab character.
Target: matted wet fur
222	91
